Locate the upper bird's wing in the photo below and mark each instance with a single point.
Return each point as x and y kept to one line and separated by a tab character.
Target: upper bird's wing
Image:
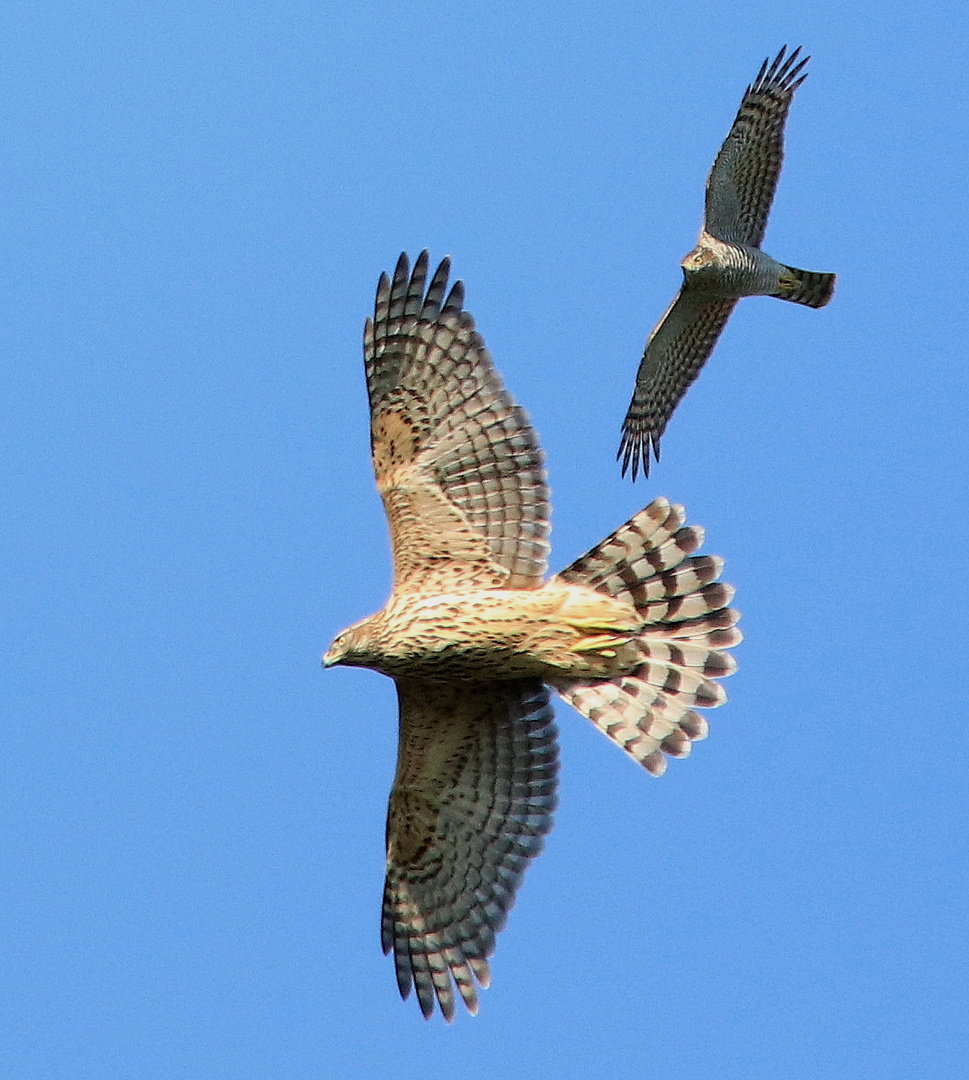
676	350
471	803
741	185
457	464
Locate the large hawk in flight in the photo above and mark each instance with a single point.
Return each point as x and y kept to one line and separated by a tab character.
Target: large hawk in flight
726	263
632	635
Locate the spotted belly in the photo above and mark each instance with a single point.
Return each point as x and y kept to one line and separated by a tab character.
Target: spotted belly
502	634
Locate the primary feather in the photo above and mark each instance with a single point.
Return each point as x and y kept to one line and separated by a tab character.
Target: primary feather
727	262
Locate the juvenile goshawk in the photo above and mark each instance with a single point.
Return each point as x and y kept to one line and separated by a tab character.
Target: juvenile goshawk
726	263
632	635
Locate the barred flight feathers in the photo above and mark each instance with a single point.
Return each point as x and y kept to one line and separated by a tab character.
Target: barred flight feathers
676	351
457	463
811	288
471	803
743	180
726	264
649	710
634	635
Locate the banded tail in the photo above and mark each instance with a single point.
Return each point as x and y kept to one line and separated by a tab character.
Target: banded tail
806	287
681	649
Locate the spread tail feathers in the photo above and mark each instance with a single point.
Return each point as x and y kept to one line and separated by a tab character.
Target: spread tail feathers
806	287
681	648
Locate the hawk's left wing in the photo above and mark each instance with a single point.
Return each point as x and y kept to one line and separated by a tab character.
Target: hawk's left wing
457	463
471	803
741	185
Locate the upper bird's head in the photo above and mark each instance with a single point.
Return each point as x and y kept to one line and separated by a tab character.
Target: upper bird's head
699	261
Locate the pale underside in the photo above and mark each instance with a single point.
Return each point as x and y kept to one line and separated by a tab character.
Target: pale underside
457	465
461	476
463	484
739	193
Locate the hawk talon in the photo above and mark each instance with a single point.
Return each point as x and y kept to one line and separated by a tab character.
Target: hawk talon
604	644
475	637
788	283
727	262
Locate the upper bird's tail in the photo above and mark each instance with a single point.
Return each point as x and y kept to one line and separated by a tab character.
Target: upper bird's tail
680	649
806	287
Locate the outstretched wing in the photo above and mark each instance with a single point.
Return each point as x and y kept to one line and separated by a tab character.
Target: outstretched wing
457	464
741	185
676	350
472	801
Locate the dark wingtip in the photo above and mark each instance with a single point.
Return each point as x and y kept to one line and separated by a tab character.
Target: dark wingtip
455	298
792	68
634	451
782	72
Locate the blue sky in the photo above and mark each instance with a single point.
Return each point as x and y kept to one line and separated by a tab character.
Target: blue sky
196	201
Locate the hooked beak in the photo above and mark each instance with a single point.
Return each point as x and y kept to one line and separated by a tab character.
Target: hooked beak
330	658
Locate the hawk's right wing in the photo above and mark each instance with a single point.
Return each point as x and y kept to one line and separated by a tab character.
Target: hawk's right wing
471	803
742	182
457	464
676	350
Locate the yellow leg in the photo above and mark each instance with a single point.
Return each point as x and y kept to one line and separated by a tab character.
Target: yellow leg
788	283
604	644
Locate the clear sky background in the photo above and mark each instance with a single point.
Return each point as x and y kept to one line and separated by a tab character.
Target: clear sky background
196	200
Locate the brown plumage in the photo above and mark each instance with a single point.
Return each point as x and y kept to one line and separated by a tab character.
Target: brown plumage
633	635
727	262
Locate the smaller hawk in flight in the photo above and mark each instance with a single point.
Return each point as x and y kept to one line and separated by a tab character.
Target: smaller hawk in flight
633	635
726	263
